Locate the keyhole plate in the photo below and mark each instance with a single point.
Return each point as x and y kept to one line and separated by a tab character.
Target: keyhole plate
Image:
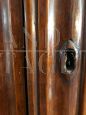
68	57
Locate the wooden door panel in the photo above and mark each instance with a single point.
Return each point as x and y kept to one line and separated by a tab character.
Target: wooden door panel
64	92
12	79
62	17
50	24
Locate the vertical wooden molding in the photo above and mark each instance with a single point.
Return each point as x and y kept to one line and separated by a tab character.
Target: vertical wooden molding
18	54
82	99
30	35
42	55
12	81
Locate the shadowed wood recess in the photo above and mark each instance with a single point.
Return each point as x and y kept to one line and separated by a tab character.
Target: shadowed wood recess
12	79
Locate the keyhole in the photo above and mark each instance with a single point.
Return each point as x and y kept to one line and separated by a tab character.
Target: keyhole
70	62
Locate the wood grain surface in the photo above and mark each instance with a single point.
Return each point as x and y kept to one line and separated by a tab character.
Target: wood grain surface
58	18
82	100
48	24
42	55
32	32
31	57
12	79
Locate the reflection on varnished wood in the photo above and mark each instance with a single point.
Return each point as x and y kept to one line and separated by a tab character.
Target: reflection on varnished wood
66	17
12	87
30	40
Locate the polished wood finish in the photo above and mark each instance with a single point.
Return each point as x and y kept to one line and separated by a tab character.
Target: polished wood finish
64	17
12	79
31	80
62	93
42	55
82	100
30	38
49	91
